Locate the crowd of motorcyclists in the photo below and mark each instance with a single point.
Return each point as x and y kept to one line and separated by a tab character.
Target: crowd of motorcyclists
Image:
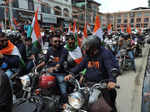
90	62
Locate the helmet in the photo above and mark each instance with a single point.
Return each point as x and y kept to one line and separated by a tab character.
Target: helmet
46	81
69	35
91	43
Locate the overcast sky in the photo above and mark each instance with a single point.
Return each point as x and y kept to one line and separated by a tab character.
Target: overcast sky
121	5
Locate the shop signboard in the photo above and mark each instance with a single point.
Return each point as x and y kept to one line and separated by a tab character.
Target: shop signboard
48	18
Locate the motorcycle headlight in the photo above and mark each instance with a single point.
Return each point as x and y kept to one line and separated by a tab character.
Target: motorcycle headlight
25	80
44	51
76	100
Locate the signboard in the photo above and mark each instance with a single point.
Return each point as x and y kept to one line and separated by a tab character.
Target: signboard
48	18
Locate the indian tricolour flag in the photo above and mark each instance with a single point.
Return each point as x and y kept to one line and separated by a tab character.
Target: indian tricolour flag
36	34
11	49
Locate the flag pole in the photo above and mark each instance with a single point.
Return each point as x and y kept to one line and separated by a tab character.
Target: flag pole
85	9
11	14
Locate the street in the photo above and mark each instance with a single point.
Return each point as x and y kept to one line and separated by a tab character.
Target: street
129	96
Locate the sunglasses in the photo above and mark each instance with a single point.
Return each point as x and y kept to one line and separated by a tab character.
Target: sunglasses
57	41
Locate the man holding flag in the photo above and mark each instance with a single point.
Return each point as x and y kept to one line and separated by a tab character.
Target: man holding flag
9	53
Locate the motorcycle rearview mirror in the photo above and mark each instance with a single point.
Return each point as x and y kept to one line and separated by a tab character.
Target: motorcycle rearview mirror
115	72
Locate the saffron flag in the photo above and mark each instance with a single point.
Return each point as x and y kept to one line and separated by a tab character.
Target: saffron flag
109	29
85	31
97	29
129	29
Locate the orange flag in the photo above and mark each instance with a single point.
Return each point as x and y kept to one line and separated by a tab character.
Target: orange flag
129	29
109	29
74	27
97	28
85	31
15	22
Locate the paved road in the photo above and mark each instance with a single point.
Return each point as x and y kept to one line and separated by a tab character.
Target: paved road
129	97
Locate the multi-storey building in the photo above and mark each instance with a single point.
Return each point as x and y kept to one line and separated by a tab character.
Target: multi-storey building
136	18
50	11
81	8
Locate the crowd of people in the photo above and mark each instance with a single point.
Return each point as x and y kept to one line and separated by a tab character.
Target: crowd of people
88	57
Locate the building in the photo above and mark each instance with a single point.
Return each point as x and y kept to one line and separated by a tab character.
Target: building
80	8
55	12
137	18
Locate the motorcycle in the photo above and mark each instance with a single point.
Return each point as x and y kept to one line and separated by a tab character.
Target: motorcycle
32	100
83	97
125	62
137	49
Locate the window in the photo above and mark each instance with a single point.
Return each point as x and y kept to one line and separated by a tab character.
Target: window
57	11
132	20
138	25
45	9
31	5
145	25
139	14
138	20
132	14
15	4
119	16
66	12
125	20
125	15
146	14
125	25
146	19
118	20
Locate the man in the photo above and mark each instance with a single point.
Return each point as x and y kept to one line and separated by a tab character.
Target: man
99	65
74	51
9	53
5	93
125	43
31	54
55	58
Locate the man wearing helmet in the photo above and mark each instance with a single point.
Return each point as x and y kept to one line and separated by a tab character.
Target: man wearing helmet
99	64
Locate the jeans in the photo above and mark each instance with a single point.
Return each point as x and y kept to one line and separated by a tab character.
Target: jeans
131	55
29	66
61	83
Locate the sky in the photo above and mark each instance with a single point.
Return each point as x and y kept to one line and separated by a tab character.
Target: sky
120	5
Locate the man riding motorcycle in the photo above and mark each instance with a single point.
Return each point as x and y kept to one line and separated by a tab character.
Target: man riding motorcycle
57	54
74	51
125	43
9	54
99	65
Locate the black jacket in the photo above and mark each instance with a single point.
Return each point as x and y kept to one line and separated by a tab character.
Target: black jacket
5	93
98	68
